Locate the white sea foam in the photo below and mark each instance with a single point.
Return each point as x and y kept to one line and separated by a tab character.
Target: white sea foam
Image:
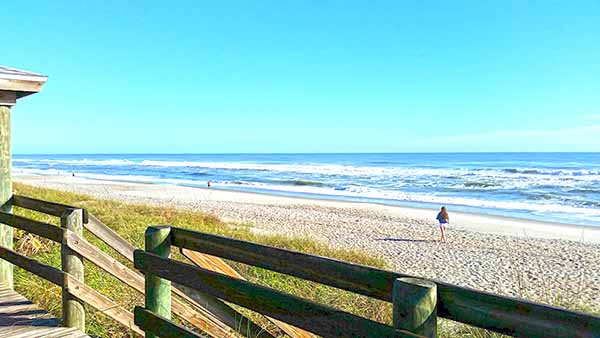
104	177
378	194
352	191
347	170
113	162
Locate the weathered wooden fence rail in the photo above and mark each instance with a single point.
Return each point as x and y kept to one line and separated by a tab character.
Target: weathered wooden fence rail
74	248
202	311
71	275
217	318
503	314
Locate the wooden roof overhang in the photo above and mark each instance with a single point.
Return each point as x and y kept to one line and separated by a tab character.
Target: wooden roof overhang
15	84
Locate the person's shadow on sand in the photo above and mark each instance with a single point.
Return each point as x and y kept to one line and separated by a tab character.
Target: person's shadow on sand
403	240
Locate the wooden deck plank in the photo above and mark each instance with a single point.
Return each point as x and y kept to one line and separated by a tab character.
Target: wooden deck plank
19	317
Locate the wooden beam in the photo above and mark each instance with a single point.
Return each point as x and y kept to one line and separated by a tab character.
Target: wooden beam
24	86
73	309
75	287
498	313
41	229
223	313
216	264
110	237
415	302
197	315
102	260
6	232
7	98
47	272
157	240
316	318
50	208
101	303
161	326
200	318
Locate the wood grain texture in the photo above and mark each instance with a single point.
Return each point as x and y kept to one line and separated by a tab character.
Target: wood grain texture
196	315
8	98
161	326
50	208
316	318
21	86
216	264
41	229
157	240
20	318
6	232
498	313
220	312
110	237
73	309
72	286
47	272
101	303
415	302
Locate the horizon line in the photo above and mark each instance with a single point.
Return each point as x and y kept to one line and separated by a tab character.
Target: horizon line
321	153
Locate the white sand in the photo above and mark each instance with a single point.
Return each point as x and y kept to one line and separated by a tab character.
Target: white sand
535	260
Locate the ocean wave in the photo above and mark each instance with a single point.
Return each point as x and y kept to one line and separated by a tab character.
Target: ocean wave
585	191
536	206
198	174
332	169
378	194
483	184
302	182
82	162
555	172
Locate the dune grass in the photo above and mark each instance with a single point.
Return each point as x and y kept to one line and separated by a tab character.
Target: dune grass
130	221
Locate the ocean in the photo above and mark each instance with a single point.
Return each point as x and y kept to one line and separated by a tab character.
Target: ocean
555	187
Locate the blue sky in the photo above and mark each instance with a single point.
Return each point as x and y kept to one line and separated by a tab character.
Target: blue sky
306	76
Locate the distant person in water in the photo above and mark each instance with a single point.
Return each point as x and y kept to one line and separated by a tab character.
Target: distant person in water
444	219
208	184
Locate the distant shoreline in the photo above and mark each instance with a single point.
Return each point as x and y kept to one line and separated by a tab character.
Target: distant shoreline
544	187
484	223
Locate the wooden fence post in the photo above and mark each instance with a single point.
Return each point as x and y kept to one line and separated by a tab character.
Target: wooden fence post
6	232
415	306
158	290
14	84
72	263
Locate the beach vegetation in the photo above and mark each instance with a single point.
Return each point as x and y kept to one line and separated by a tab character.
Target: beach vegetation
131	220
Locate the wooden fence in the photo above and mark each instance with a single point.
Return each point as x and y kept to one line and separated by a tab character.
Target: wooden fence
502	314
204	312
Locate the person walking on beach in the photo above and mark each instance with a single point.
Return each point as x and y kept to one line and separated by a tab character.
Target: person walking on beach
444	219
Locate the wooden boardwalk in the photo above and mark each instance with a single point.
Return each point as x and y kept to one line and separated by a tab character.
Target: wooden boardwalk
19	317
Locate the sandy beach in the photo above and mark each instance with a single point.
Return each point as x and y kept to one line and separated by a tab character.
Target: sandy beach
548	262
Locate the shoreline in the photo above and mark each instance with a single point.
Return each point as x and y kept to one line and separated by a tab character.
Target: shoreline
469	221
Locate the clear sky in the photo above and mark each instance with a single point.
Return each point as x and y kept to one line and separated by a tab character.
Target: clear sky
306	76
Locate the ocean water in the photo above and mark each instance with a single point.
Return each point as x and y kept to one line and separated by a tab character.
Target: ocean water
558	187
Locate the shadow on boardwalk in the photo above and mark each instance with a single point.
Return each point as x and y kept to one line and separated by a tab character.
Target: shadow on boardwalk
21	318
